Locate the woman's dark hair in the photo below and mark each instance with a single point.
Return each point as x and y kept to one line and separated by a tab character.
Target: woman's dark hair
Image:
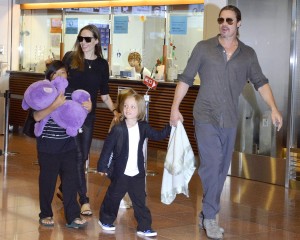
77	55
52	67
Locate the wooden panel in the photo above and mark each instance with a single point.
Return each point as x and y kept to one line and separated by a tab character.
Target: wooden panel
18	83
159	108
159	105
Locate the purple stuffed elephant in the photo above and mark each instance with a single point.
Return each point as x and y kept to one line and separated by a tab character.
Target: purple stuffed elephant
71	115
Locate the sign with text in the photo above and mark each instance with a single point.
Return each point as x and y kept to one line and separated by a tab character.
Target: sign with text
150	82
121	24
71	25
178	25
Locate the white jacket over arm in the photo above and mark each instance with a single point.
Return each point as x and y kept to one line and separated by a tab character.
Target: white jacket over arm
179	165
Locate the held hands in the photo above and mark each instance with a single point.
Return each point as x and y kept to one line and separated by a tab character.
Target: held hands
117	116
175	117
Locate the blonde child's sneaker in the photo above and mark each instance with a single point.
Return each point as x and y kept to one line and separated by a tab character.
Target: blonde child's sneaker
147	233
107	227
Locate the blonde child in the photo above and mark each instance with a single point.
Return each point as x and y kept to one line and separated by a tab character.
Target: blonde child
126	168
122	95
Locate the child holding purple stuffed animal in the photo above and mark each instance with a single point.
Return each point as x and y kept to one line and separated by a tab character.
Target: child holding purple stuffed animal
57	155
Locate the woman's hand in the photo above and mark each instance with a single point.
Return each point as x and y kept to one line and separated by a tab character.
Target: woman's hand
117	116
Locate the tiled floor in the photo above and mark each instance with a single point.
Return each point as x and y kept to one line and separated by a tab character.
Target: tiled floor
250	210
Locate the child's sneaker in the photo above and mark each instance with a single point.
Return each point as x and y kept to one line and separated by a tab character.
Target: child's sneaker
147	233
107	227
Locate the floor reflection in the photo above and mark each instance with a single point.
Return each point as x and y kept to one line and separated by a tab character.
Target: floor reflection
250	210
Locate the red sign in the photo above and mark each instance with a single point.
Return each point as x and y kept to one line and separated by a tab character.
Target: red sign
150	82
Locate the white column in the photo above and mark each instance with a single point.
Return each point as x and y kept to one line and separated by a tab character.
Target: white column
5	35
211	12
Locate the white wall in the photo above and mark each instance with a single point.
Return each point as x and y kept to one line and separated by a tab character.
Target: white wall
9	25
5	18
38	41
5	44
5	22
211	12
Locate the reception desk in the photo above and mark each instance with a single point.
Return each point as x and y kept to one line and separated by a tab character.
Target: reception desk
159	105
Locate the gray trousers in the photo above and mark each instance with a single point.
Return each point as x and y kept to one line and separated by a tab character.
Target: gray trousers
215	145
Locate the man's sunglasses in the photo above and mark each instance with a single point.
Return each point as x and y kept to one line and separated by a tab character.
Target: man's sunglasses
228	20
87	39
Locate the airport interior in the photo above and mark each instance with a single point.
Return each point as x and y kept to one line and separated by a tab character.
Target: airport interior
261	195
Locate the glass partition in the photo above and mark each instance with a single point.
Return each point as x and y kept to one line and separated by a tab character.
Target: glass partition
185	29
137	29
40	38
76	18
164	34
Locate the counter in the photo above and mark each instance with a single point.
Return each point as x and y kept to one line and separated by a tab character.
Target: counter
159	105
245	165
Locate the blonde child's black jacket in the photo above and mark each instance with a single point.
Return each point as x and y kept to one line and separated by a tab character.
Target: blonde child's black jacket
114	154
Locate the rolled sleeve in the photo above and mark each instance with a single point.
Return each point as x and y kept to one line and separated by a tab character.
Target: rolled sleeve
192	67
256	76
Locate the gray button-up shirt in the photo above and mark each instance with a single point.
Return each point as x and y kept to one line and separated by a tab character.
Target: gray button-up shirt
222	81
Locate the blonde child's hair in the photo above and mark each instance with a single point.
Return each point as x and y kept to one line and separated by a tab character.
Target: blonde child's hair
135	56
141	104
123	94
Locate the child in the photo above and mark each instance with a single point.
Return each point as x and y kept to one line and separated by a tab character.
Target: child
122	95
127	169
57	155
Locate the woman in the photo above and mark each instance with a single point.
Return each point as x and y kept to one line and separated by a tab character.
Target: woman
88	70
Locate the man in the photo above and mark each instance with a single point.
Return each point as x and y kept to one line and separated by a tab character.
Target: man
224	64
